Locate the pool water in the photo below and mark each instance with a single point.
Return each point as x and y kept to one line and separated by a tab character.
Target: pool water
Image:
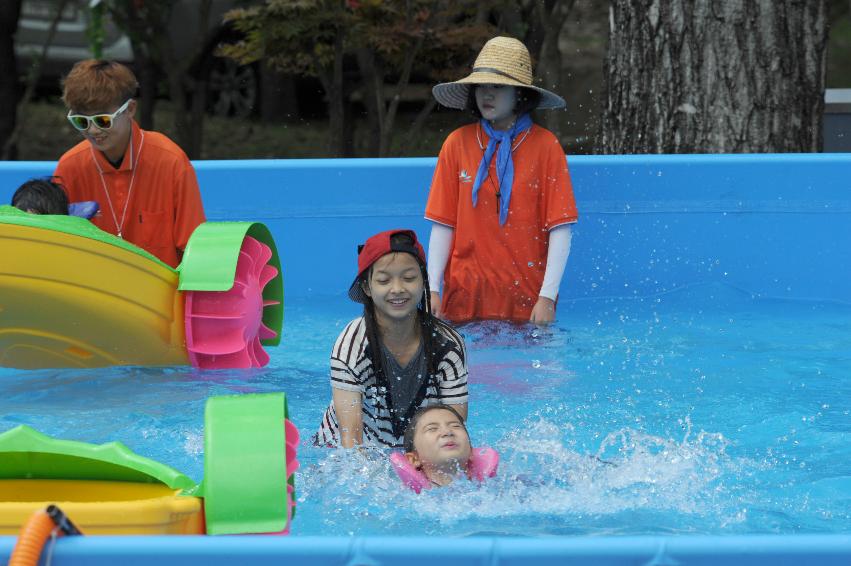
701	411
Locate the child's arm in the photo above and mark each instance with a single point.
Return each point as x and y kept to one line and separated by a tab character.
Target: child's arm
347	405
439	245
462	410
558	249
452	373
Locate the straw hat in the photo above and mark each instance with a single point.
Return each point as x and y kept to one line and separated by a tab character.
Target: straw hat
502	61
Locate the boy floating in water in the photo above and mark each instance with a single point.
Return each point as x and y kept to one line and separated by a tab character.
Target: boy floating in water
437	444
437	451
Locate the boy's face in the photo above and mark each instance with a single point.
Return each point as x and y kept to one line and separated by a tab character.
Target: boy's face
114	140
440	440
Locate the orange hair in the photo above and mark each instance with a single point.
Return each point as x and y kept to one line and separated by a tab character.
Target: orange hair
96	85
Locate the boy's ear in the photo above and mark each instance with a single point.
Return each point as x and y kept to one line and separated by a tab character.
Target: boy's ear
414	459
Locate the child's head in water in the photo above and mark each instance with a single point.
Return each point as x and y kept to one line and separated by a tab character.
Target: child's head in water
41	196
437	443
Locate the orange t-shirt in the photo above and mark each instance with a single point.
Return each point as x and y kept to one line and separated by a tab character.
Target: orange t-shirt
165	205
496	272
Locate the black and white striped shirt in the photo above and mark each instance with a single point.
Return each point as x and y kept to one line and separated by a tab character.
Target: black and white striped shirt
351	370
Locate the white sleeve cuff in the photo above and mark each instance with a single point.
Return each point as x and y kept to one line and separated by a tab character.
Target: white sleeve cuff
439	245
558	249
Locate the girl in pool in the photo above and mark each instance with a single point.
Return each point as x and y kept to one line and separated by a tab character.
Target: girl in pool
501	201
395	358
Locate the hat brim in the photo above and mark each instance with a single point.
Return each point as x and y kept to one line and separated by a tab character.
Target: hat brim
454	94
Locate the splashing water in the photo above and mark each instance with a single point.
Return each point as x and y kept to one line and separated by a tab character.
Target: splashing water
709	413
539	476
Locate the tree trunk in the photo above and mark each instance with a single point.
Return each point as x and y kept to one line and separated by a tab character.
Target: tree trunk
9	147
552	15
714	76
186	76
147	89
393	107
10	11
372	83
413	132
336	113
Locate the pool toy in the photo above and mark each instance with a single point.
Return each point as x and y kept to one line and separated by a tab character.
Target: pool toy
83	209
72	295
249	485
482	465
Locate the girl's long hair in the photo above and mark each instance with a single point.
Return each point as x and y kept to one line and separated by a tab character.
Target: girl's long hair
430	327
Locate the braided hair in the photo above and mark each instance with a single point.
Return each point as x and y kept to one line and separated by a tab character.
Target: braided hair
430	327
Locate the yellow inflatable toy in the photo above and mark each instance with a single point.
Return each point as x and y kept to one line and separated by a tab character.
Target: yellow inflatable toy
108	490
72	295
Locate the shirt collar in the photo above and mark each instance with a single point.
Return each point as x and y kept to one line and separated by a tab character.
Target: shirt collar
128	161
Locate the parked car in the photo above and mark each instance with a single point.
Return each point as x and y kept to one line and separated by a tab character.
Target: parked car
233	89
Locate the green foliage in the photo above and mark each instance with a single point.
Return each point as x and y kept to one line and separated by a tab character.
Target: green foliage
446	34
295	36
298	36
390	42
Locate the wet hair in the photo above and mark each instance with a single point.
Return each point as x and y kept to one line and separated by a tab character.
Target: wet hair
95	85
411	431
41	196
429	330
527	100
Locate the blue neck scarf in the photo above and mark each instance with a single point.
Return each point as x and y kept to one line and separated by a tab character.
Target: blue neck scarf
504	162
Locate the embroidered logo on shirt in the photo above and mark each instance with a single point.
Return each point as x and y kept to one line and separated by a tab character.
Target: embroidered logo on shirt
464	177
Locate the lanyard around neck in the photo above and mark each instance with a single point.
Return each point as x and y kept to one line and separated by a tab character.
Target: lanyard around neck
134	163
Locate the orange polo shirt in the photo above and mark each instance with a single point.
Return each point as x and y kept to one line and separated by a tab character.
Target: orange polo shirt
164	206
496	272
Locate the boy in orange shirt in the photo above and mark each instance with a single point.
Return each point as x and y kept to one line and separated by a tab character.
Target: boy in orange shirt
143	182
501	199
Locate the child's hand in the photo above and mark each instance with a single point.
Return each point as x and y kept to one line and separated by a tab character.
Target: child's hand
544	311
435	304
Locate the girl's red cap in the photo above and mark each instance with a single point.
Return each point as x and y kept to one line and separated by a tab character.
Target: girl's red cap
379	245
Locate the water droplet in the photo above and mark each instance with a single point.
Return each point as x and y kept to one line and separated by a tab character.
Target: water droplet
531	264
536	364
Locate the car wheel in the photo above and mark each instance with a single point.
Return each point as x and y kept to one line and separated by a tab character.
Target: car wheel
232	88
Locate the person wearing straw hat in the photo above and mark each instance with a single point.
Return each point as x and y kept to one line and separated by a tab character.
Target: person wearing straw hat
501	202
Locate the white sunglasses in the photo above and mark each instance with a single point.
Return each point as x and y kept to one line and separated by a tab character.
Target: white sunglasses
102	121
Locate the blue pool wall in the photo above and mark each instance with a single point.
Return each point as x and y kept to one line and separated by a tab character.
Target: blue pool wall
820	550
775	226
771	225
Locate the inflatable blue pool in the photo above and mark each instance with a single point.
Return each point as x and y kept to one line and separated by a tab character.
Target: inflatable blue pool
691	406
